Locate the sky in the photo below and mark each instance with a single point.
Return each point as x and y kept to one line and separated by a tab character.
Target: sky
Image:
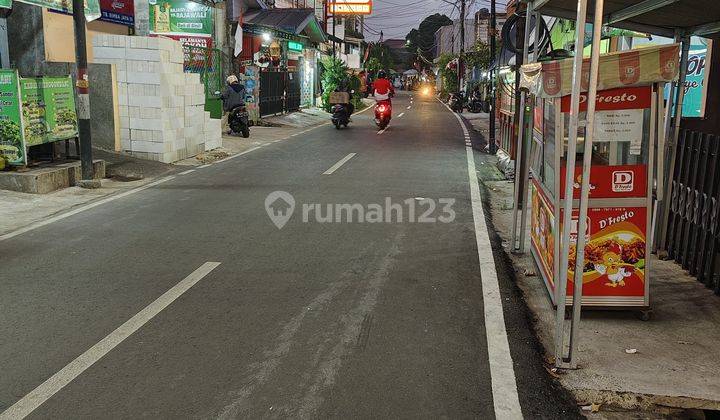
395	18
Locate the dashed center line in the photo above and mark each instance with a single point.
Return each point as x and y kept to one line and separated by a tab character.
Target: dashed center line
340	163
409	106
187	172
401	114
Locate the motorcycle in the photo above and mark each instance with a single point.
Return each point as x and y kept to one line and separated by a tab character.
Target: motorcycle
456	102
238	121
383	114
340	109
475	105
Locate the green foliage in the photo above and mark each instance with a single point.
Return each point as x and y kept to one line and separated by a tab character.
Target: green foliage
335	71
379	57
421	41
480	56
449	77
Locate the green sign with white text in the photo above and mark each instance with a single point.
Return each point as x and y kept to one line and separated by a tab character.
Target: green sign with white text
180	17
12	143
92	7
48	109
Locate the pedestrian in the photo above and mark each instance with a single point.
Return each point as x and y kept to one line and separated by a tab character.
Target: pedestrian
233	96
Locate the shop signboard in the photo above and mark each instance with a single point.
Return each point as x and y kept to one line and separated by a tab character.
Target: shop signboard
349	7
180	17
696	79
118	11
48	109
6	4
12	143
614	251
610	181
92	7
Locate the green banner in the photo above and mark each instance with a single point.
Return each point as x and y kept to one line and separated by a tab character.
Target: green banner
6	4
12	144
48	109
180	17
92	7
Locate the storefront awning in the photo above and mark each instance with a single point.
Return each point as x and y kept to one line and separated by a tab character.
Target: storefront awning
642	66
657	17
295	21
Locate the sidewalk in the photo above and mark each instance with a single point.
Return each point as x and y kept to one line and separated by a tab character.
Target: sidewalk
677	363
125	173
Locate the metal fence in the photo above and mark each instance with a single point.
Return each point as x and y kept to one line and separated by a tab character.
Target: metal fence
208	62
279	92
693	229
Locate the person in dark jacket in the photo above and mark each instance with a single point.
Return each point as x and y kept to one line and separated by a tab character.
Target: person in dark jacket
233	96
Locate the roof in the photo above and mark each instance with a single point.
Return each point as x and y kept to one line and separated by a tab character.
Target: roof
295	21
658	17
395	44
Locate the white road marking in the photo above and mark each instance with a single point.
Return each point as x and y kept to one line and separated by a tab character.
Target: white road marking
502	373
401	114
409	106
187	172
72	370
340	163
205	165
80	209
382	131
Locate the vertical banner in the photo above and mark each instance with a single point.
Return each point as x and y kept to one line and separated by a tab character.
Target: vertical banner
12	143
696	80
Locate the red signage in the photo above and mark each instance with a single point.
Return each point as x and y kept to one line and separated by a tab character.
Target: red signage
195	57
610	181
614	99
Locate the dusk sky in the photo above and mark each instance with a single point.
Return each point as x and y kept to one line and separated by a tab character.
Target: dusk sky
397	17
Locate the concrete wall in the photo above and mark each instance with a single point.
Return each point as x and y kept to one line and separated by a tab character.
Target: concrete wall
104	116
60	37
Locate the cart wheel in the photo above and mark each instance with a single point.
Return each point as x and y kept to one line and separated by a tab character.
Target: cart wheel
645	315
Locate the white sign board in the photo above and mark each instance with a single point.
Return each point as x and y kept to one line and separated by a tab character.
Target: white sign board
625	125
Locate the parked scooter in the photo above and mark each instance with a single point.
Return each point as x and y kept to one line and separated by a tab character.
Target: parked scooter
456	102
238	121
475	104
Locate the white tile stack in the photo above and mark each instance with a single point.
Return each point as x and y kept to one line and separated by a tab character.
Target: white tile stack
162	114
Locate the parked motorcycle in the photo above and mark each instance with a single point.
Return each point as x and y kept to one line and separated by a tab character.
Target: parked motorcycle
456	102
475	104
383	114
238	121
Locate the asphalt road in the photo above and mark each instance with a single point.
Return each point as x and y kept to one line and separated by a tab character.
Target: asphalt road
323	318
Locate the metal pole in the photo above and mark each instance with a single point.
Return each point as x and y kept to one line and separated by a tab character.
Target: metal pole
585	185
672	132
520	184
334	38
569	174
461	70
493	47
83	91
526	139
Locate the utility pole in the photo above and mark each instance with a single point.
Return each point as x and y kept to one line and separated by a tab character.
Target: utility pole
83	91
493	47
461	70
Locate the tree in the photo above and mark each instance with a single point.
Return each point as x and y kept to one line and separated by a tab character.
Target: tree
421	41
379	55
480	56
447	75
334	71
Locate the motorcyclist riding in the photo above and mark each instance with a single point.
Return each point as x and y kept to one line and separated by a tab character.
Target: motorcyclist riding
383	89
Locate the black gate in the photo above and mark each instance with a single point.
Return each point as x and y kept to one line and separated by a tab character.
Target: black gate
271	92
279	92
694	228
293	91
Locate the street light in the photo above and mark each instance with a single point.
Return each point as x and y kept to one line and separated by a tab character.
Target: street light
266	36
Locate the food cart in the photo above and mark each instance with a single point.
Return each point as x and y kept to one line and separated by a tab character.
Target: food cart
627	145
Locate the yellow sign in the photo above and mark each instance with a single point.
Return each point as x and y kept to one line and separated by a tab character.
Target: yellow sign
352	7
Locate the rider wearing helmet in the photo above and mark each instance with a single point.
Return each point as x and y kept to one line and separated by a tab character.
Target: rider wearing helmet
383	88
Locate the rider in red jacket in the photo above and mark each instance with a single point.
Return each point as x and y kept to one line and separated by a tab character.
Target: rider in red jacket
382	85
